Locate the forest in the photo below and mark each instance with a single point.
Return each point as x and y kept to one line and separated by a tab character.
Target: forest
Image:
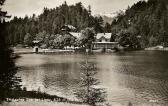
51	21
142	25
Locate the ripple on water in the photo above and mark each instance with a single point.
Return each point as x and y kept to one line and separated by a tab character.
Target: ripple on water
139	77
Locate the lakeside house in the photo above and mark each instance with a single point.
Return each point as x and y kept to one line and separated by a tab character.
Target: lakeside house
36	48
75	34
68	28
103	41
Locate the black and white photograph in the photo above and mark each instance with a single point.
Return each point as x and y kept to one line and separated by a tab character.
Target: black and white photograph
83	52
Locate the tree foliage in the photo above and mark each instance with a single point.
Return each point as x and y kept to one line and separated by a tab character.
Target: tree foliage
8	80
28	39
87	37
88	91
51	22
148	19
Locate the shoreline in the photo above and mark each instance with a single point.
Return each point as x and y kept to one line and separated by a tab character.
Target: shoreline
20	51
23	95
157	48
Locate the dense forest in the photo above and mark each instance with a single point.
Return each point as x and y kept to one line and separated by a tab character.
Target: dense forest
142	25
51	21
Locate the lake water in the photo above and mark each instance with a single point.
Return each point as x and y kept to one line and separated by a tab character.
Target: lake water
139	77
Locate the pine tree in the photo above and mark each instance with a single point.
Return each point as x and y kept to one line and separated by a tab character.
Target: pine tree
8	80
28	39
107	28
88	91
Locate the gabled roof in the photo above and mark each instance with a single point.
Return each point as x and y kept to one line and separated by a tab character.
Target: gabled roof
98	36
36	41
68	28
75	34
105	35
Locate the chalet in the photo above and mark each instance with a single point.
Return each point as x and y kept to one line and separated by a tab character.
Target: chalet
75	34
103	41
68	28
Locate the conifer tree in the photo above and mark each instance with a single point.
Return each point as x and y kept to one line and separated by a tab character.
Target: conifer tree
89	92
8	80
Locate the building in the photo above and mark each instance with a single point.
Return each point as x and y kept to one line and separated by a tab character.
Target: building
75	34
36	46
103	41
68	28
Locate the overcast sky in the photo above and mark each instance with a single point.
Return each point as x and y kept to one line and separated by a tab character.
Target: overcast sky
28	7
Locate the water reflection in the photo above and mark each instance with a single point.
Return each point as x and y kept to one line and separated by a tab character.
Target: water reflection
136	77
57	74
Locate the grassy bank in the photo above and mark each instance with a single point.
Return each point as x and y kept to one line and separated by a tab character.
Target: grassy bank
36	95
38	103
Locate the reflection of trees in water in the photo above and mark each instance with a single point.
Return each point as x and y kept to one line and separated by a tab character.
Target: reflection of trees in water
88	91
61	77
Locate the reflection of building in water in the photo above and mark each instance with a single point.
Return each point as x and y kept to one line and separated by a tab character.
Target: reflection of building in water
103	41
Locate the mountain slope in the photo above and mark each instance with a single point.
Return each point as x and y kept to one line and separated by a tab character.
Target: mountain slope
51	22
147	19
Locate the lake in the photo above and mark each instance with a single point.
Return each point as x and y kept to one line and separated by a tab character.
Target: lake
139	77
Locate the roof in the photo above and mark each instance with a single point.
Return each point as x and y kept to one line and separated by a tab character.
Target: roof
68	27
105	35
75	34
98	36
105	42
36	41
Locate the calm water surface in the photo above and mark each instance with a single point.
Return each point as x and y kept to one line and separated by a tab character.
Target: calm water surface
138	77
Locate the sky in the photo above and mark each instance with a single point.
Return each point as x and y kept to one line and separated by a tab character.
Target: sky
21	8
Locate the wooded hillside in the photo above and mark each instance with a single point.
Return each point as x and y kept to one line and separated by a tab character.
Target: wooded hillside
147	21
51	21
